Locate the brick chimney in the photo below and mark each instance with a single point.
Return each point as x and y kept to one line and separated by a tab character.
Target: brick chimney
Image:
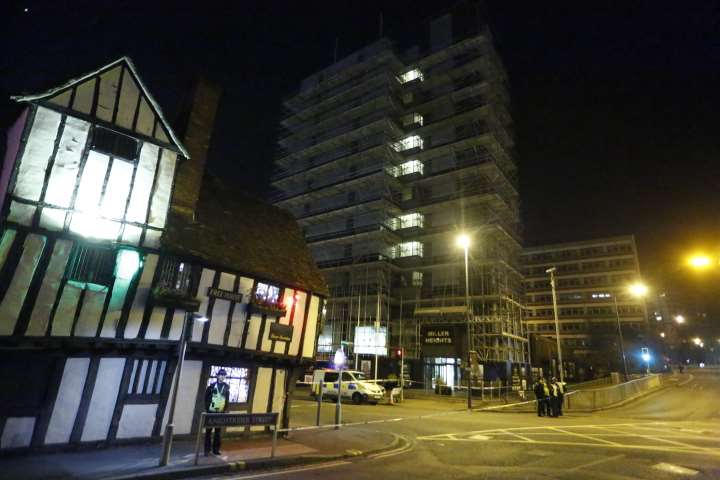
198	133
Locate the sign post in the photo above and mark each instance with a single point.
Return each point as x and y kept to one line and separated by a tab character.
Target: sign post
212	420
319	387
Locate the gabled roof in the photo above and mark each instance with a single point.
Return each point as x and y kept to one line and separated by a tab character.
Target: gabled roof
96	94
245	235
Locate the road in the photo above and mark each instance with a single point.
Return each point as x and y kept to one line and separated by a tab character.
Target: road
671	434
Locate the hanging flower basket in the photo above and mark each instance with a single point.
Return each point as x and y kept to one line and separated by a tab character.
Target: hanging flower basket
171	298
263	307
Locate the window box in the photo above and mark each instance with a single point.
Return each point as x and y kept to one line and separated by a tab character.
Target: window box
263	307
171	298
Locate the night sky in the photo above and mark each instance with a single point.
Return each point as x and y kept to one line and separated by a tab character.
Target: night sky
615	107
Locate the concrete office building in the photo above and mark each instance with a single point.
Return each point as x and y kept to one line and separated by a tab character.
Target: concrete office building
591	275
385	157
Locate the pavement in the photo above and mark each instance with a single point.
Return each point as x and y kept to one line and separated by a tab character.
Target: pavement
238	454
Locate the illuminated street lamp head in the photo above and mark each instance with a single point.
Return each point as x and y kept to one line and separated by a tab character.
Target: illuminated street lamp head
638	289
697	340
679	319
463	241
700	262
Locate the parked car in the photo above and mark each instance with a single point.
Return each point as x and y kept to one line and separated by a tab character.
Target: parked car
355	386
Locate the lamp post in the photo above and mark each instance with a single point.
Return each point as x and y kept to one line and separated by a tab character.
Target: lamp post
339	360
182	346
463	241
637	290
553	287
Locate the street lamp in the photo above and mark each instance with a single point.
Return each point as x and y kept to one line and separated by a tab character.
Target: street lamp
679	319
552	271
182	345
637	290
339	360
463	241
700	262
646	358
697	340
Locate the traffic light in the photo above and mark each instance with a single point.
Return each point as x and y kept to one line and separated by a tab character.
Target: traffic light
398	353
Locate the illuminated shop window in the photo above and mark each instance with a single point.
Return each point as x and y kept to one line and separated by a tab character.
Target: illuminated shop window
413	141
409	76
238	378
417	279
267	293
408	249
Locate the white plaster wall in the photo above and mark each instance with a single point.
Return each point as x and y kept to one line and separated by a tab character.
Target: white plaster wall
141	296
279	392
163	187
16	292
206	280
38	149
157	318
289	300
67	400
128	101
297	322
311	328
221	309
114	311
8	238
187	394
109	82
89	319
65	312
266	343
262	392
144	176
253	331
40	317
137	421
102	402
67	162
18	432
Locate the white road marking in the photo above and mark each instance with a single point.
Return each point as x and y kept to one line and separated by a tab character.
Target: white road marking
518	436
676	469
594	462
584	436
651	437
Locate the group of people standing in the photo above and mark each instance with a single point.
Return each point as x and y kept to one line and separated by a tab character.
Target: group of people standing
550	397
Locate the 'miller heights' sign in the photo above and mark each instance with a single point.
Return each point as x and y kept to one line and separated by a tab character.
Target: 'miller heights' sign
442	340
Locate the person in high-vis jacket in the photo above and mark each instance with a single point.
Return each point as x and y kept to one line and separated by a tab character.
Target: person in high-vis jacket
217	398
561	397
554	397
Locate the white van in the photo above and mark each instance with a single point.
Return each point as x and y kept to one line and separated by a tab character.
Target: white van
355	386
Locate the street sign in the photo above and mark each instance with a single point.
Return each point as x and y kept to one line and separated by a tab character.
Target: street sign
239	419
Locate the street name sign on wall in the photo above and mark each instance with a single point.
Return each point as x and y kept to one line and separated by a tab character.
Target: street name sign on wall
281	332
224	294
240	419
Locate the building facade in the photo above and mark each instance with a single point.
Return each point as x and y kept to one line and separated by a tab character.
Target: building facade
97	272
591	277
386	156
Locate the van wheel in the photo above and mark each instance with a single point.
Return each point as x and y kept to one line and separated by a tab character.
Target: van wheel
357	398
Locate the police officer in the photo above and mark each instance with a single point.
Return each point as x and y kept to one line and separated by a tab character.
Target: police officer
561	397
217	398
539	391
554	396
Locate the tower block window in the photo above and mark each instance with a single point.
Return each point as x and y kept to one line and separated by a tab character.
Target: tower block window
91	266
410	76
114	144
175	275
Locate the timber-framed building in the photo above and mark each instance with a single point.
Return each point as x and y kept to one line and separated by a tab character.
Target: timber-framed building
107	238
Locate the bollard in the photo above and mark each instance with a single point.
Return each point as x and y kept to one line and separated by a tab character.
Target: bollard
274	442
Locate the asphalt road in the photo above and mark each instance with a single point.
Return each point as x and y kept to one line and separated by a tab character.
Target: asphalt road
671	434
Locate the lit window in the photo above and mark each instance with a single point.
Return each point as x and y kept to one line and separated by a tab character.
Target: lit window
237	378
412	166
408	249
417	279
409	76
267	293
413	141
114	144
412	119
410	220
325	344
175	275
91	266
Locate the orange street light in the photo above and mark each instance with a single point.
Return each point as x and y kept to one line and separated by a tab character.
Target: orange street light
700	262
638	289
